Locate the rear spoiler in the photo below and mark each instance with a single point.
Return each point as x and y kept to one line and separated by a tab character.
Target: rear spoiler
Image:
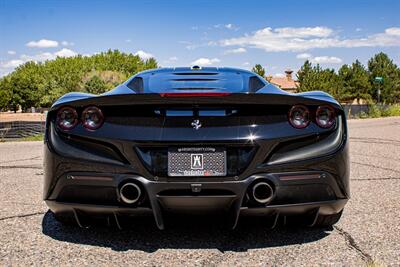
226	99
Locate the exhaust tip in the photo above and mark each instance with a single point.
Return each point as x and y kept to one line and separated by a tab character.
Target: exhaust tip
263	192
130	193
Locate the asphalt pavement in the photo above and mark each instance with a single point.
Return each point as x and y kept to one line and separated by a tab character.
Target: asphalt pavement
367	234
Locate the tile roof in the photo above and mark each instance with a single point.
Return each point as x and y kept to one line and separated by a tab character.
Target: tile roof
284	82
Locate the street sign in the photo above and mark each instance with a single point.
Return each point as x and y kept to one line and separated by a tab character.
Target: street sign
378	79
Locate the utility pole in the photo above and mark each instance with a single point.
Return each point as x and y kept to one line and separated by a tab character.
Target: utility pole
379	81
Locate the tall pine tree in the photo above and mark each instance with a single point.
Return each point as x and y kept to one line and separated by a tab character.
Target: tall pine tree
355	81
382	66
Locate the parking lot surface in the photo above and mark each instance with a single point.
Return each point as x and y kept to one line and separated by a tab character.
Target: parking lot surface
368	233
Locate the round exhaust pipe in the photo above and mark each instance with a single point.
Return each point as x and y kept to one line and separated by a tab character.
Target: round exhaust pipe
130	193
263	192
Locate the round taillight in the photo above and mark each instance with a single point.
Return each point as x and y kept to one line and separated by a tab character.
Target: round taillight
67	118
92	118
325	116
299	116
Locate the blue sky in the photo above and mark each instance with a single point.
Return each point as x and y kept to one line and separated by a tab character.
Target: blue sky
275	34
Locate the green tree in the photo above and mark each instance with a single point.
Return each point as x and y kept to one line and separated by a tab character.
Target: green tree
259	70
306	77
26	86
95	85
355	81
40	84
315	78
381	65
330	82
5	93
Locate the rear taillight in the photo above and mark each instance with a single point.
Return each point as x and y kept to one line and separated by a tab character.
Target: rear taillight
92	118
299	116
67	118
325	116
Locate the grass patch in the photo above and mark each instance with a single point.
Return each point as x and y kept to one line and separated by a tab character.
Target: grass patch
394	110
377	111
38	137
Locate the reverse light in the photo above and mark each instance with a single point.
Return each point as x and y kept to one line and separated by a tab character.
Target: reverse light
325	116
92	118
67	118
299	116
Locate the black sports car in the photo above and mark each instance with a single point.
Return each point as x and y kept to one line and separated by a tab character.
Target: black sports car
196	140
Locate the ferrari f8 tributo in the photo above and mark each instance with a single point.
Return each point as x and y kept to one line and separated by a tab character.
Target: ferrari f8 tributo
196	140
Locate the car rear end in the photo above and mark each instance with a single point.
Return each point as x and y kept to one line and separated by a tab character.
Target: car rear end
196	151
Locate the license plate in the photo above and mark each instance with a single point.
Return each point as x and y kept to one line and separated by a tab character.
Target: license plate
197	161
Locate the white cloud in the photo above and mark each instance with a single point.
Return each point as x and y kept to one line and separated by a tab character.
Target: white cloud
191	47
4	72
235	51
393	31
303	32
8	66
320	59
43	43
188	45
143	55
66	43
246	65
205	61
11	52
303	56
65	52
171	60
228	26
11	63
128	40
305	38
358	29
279	75
38	57
326	59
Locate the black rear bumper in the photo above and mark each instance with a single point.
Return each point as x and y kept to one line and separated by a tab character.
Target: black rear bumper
99	195
315	208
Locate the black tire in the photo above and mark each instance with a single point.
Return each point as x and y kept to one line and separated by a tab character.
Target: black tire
328	220
65	218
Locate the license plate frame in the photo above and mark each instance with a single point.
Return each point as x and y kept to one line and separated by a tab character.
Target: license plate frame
197	161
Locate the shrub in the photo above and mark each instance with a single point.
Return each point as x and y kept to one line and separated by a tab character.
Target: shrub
374	111
394	110
362	115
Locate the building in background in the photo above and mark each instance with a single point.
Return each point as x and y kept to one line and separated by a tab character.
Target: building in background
285	83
